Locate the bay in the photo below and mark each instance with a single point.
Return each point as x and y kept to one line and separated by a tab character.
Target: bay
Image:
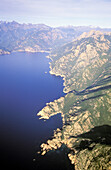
25	88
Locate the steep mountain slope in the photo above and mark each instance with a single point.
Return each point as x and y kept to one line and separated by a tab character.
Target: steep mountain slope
82	62
36	37
85	65
31	37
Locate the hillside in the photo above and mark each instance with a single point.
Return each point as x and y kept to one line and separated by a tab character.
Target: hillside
85	65
36	37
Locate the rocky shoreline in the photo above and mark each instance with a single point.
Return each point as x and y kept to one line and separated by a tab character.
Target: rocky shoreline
3	52
83	111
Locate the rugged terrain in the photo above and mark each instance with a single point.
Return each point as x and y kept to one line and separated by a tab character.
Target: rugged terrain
36	37
84	62
85	65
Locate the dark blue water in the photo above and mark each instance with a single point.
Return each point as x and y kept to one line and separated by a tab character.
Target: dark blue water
24	91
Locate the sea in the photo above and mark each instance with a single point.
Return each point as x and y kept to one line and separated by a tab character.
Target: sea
25	87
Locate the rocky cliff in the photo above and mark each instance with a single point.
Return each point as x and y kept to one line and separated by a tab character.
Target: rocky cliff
85	65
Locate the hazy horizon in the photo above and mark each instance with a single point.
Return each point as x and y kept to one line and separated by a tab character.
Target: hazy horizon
58	13
28	23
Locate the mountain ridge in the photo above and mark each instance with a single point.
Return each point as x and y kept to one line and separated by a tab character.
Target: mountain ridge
37	37
86	107
84	62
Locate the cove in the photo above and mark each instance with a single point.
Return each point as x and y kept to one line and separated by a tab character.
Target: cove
25	88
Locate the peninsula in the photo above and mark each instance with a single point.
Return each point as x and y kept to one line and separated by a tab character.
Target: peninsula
81	55
85	65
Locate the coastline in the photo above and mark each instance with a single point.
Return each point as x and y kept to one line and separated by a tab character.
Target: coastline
75	110
53	108
2	52
56	74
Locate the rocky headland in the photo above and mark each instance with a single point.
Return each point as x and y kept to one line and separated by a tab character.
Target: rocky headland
85	65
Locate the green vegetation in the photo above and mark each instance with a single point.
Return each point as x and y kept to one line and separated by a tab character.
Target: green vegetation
85	65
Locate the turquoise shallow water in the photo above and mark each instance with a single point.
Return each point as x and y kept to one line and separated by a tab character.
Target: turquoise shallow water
25	88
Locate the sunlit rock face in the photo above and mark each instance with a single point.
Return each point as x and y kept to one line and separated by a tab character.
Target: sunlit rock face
85	65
